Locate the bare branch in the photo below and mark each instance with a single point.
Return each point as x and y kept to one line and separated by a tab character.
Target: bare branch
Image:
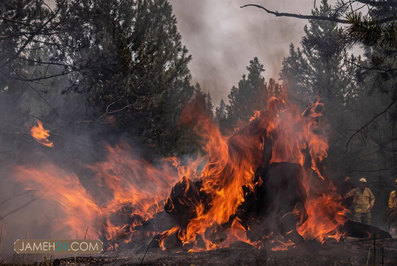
16	196
118	110
370	171
107	112
278	14
17	209
15	21
31	37
332	19
372	68
39	94
388	19
38	78
369	122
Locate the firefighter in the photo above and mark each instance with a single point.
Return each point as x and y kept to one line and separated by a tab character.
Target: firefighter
363	202
392	212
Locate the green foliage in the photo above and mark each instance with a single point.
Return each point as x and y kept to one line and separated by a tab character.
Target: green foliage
371	32
125	57
18	20
251	94
220	113
323	67
137	68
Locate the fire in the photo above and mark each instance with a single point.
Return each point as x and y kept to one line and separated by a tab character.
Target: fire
324	218
122	181
282	246
231	165
41	135
54	184
206	193
297	138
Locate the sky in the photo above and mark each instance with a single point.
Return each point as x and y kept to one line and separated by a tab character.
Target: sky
222	38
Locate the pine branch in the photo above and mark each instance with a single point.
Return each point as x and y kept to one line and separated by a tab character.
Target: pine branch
371	31
390	3
382	31
31	37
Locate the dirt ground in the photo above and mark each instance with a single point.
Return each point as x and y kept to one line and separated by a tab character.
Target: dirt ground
346	252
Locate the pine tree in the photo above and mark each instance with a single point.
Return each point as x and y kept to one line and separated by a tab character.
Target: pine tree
125	57
220	112
250	95
322	67
135	66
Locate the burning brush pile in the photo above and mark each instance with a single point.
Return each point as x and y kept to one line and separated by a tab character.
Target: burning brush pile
264	185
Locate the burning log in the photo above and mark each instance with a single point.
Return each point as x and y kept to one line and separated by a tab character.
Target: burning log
125	220
185	196
285	195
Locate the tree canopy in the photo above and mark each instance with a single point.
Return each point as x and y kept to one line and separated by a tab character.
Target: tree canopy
124	57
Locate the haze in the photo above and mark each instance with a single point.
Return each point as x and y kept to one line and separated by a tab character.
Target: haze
223	38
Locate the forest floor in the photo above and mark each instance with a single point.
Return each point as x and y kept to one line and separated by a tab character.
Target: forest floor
346	252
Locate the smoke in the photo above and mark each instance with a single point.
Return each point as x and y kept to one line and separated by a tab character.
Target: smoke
222	38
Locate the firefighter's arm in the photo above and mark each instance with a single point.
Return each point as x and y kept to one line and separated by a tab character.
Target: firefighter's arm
392	198
372	199
350	193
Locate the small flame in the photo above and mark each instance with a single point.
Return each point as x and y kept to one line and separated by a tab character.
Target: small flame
282	245
41	135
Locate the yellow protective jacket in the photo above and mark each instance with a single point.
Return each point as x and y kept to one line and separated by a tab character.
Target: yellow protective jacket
362	201
393	199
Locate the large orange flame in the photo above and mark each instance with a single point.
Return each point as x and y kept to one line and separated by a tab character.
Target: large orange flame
123	182
233	161
41	135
